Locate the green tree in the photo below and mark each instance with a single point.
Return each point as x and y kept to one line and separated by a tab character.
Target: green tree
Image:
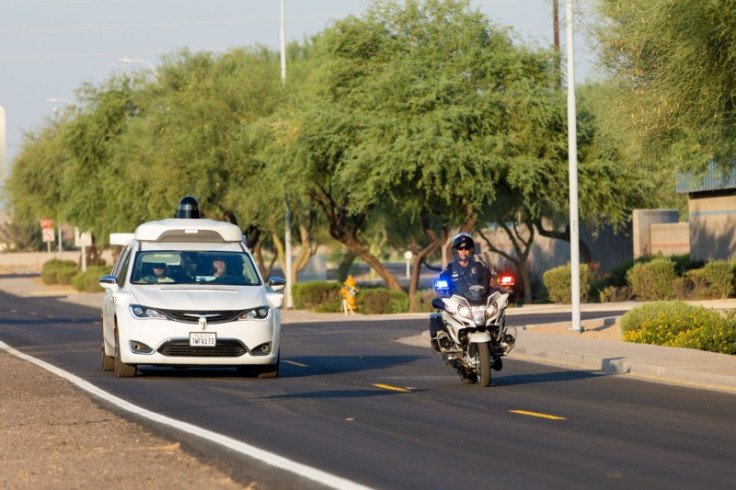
406	107
93	186
33	187
675	66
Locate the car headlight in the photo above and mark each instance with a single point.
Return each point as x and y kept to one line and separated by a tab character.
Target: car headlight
258	313
146	313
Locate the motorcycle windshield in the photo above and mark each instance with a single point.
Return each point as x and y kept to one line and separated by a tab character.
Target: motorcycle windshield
470	289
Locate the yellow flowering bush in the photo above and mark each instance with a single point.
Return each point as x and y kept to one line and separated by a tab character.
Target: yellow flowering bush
678	324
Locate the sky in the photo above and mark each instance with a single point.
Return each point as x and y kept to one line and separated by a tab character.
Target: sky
48	48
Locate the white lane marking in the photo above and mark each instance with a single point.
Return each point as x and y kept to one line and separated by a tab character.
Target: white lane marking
264	456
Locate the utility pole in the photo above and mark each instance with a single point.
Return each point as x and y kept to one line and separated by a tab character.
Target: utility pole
3	146
287	215
556	37
572	148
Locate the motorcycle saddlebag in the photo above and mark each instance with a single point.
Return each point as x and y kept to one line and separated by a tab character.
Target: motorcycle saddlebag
435	325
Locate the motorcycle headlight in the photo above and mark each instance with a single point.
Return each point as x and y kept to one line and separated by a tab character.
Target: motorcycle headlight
492	309
465	312
145	313
258	313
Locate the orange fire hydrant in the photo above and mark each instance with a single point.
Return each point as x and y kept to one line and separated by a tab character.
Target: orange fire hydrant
348	292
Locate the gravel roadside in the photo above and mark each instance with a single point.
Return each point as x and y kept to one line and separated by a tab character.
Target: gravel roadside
53	435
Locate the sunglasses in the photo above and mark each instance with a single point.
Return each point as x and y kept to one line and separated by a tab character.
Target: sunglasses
465	248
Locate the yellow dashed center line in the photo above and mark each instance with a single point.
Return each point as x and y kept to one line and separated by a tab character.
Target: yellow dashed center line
389	387
294	363
540	415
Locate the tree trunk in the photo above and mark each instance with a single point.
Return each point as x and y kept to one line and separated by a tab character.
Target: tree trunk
564	236
522	248
344	229
306	252
258	252
358	248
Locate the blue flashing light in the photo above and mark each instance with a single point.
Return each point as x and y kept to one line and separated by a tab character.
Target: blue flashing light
441	285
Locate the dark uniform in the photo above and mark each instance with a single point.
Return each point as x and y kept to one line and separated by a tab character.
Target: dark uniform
460	279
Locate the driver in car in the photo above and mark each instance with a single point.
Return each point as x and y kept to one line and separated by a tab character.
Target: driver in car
219	266
158	274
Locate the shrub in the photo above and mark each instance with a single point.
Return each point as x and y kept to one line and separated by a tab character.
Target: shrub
691	286
719	276
382	301
653	280
684	263
615	294
317	296
422	301
633	319
558	282
88	281
678	324
617	277
57	271
721	338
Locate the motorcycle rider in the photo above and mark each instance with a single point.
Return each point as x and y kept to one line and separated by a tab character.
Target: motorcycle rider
470	279
464	271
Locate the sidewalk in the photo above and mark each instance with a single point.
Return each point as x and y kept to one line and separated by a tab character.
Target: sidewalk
551	344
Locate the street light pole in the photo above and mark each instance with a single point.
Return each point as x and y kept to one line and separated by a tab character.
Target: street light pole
144	62
572	148
287	215
3	146
55	100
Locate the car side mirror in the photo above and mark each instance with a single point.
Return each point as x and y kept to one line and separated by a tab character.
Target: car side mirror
108	282
277	284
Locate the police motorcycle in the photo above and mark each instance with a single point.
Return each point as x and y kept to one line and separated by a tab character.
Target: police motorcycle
469	328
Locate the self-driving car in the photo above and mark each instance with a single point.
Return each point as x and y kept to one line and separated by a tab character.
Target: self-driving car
185	292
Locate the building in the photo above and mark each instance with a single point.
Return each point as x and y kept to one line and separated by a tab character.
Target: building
712	205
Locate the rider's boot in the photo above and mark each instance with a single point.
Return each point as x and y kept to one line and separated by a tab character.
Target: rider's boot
497	364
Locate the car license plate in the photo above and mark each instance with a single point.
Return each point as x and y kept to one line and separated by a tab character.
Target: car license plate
202	339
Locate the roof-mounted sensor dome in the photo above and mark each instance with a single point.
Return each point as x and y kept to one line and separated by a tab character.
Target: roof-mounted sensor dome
188	208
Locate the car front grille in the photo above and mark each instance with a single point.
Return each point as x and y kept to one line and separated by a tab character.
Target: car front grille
211	316
181	348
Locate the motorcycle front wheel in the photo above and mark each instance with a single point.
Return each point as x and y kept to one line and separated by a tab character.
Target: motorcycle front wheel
483	364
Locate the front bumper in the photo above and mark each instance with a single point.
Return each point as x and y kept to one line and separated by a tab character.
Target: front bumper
165	342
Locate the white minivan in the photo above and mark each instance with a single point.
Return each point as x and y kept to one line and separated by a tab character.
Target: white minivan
185	291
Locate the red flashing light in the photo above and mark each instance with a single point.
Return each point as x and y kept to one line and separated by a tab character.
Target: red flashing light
507	280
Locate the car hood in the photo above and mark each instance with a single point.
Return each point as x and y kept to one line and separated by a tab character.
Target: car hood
205	298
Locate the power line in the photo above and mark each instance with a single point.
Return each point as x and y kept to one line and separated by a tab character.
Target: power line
256	20
62	3
100	54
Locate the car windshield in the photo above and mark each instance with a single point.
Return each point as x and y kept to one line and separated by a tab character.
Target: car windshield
194	267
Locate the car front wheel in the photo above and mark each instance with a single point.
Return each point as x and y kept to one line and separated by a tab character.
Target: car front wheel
122	370
108	362
270	370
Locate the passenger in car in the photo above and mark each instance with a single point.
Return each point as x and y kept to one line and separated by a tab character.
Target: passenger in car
158	274
219	266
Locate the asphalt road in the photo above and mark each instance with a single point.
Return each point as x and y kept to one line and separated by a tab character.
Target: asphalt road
354	403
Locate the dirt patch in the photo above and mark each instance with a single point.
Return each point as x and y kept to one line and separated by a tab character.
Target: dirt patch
54	436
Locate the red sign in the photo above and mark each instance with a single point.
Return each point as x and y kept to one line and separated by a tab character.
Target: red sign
47	223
